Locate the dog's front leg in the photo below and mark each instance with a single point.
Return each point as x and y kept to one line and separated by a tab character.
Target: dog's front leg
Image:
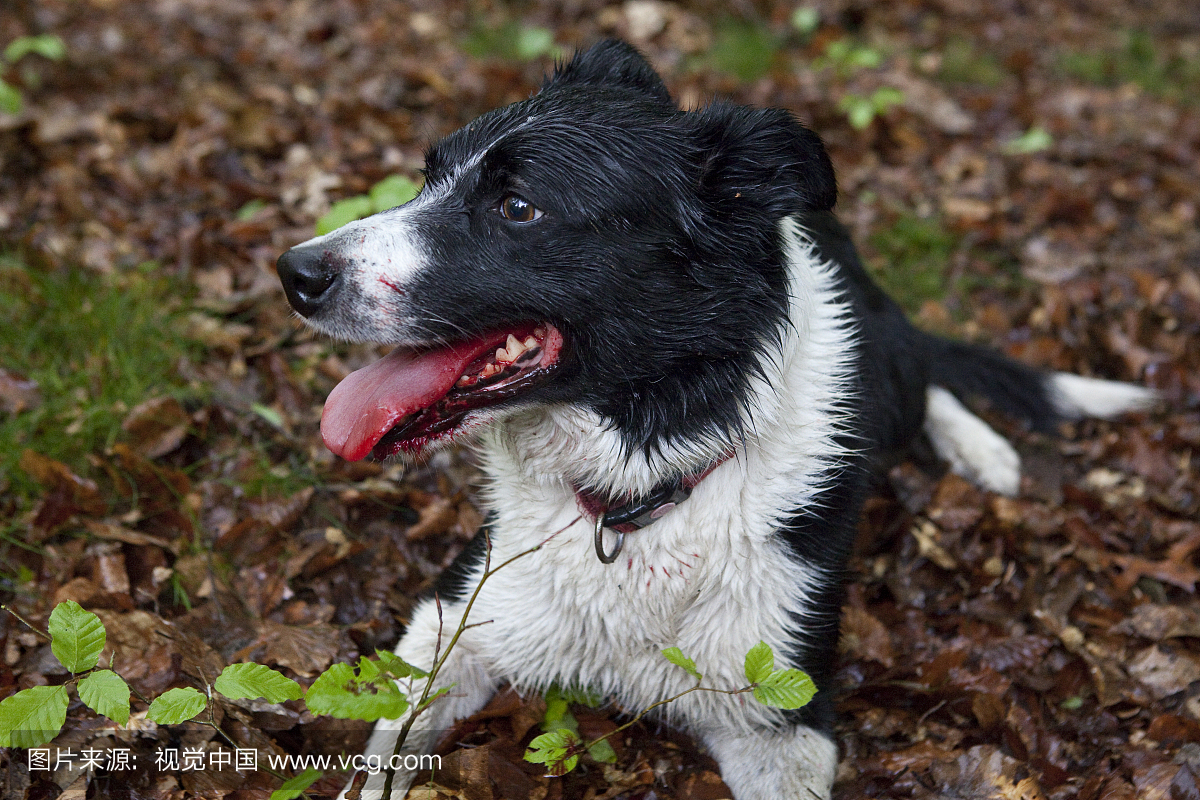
471	687
791	763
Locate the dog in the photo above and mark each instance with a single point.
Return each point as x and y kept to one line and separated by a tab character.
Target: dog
678	376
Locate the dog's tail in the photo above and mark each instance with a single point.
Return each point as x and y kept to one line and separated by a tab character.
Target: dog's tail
960	371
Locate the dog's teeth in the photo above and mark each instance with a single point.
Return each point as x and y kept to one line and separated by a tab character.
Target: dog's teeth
464	380
530	342
539	333
529	355
511	351
489	371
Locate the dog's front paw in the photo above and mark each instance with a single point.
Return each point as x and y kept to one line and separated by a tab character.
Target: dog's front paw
789	764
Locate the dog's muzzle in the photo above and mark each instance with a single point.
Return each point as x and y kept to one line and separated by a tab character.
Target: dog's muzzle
309	277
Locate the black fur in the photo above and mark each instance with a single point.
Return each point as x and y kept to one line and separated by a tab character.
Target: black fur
651	213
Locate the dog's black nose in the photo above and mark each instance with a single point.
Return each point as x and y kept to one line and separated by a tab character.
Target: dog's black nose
309	277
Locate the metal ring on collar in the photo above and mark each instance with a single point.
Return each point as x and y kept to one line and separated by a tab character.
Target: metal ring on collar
606	558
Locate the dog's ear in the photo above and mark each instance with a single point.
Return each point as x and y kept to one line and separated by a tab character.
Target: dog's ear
610	63
764	156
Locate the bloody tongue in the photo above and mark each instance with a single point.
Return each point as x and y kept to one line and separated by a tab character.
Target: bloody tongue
369	402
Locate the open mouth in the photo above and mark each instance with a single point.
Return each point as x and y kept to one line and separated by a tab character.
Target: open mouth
410	397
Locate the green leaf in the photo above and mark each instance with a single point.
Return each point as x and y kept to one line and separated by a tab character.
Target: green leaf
760	661
859	110
785	688
1032	141
10	99
602	752
743	48
583	695
806	19
337	692
558	750
533	42
676	657
251	208
397	667
429	700
32	717
369	671
46	45
392	191
885	97
269	415
176	705
557	708
256	680
294	787
76	636
106	692
343	212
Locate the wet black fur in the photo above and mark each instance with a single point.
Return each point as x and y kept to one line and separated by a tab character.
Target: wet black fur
659	258
652	216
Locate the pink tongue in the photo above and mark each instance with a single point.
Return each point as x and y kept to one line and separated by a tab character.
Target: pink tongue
369	402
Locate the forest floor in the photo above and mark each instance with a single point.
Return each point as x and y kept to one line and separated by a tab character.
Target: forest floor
1023	174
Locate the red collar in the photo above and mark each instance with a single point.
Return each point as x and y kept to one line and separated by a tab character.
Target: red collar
638	512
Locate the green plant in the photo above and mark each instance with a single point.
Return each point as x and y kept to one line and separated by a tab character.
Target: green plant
513	41
805	20
32	717
94	346
745	49
369	691
861	111
846	57
561	748
962	62
45	45
392	191
911	265
1140	60
1033	140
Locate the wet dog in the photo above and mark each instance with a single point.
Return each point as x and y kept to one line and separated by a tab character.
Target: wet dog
669	355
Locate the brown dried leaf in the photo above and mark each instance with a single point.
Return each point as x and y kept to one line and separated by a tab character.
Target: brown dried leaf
281	514
156	426
1163	670
436	519
1159	622
864	636
80	494
115	532
985	773
305	650
17	393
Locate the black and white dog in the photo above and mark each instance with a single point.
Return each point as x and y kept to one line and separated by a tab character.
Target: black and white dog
668	352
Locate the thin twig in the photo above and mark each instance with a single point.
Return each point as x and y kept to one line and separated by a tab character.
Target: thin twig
419	707
28	624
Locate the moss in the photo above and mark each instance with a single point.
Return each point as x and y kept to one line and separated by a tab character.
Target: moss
911	265
95	345
745	49
963	63
1139	60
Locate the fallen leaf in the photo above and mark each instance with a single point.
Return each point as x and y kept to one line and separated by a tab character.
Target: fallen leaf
17	393
156	426
1163	670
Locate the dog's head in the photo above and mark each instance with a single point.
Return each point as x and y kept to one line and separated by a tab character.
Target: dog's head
592	245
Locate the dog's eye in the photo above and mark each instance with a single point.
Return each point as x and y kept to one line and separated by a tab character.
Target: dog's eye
515	208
